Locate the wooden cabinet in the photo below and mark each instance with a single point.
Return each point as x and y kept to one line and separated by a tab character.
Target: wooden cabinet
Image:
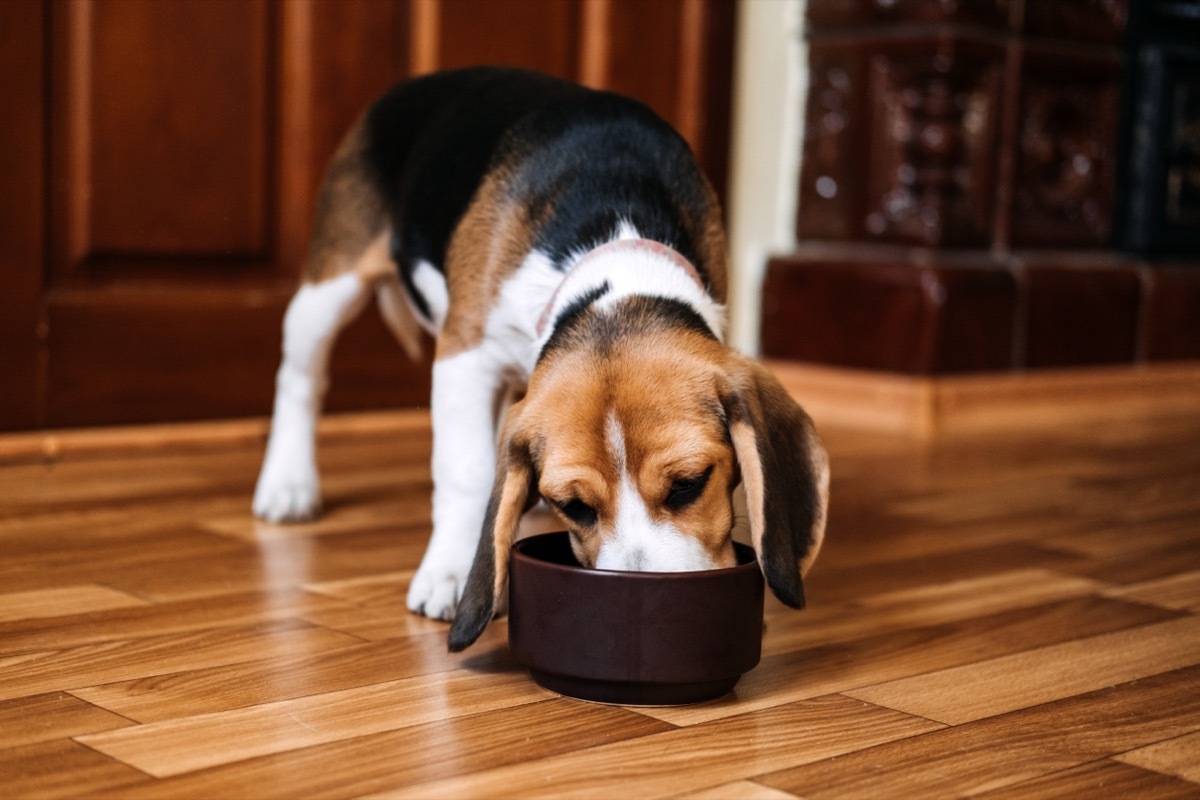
160	160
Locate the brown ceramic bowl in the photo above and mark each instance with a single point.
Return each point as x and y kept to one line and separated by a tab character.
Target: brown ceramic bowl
632	638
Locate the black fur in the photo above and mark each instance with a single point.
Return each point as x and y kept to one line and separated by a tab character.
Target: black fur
600	159
431	140
603	159
478	604
790	493
575	327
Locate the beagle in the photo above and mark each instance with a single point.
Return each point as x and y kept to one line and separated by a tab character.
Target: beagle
564	249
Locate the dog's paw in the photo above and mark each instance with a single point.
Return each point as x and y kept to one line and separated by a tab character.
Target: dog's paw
436	590
289	494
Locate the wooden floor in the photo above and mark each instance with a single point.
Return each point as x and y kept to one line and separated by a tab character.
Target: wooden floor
1010	616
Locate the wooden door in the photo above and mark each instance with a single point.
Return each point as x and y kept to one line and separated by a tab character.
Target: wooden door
161	160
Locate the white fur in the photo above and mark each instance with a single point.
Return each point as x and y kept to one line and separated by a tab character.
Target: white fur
462	404
638	542
634	272
431	284
288	487
523	297
466	388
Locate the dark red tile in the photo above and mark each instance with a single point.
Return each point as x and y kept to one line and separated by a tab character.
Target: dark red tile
1080	315
975	320
1172	326
869	316
896	316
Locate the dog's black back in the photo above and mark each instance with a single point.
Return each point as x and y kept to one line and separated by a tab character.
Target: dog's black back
601	159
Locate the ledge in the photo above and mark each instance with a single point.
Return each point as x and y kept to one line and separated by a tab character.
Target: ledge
927	407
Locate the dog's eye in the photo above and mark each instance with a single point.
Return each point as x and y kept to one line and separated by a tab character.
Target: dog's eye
578	512
685	491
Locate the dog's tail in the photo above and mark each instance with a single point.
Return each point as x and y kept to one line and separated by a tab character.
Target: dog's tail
397	312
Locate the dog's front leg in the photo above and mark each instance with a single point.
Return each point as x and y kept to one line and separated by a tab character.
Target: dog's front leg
465	388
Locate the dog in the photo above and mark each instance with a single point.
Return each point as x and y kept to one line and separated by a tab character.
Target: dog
567	254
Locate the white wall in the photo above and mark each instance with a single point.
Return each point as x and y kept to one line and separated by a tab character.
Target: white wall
770	83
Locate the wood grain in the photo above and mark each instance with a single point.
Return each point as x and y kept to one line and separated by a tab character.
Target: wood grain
997	401
31	672
1099	779
61	768
738	790
1009	616
1180	591
1011	748
63	601
694	757
986	689
415	755
47	717
168	747
879	659
1179	756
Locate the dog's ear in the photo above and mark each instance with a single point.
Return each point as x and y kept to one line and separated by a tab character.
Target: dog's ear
513	492
785	472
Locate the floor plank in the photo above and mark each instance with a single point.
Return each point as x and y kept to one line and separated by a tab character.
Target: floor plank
127	624
738	790
415	755
910	654
925	606
282	675
1012	748
1100	779
986	689
692	758
1179	756
45	717
63	601
168	748
125	659
62	769
1180	591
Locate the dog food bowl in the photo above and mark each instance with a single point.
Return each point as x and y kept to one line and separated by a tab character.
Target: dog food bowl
632	638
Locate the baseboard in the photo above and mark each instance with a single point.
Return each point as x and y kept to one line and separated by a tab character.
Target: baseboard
83	443
926	407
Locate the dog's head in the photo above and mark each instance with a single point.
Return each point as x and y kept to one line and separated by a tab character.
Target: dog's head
636	437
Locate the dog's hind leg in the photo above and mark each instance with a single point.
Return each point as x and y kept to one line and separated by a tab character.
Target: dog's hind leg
348	257
288	486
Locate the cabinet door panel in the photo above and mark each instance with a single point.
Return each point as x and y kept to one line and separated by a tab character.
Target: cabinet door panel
163	144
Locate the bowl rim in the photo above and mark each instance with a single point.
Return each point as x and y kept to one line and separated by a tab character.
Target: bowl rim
518	554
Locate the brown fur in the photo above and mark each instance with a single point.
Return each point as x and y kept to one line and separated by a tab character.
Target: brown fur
659	390
351	230
487	247
711	247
